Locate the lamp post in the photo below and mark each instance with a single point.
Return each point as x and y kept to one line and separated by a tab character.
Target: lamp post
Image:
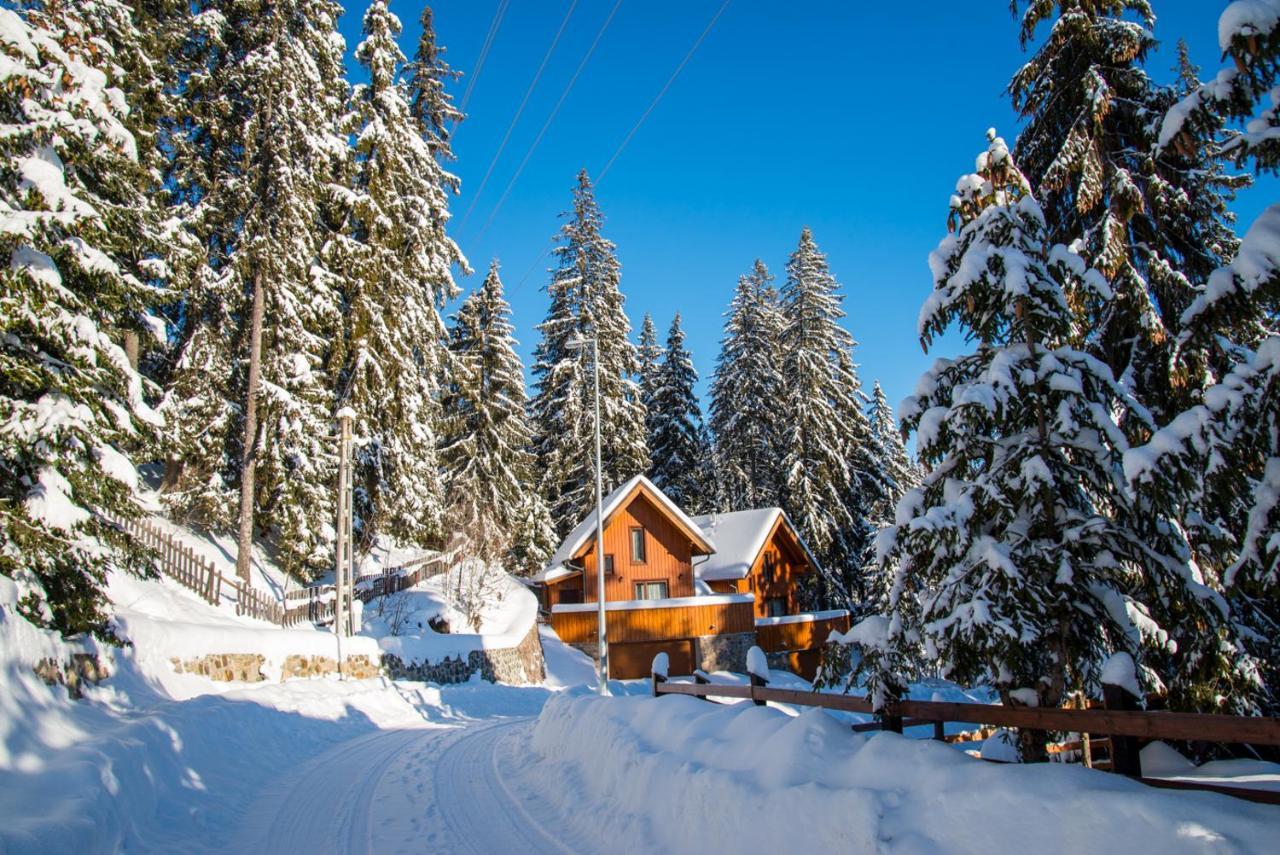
602	642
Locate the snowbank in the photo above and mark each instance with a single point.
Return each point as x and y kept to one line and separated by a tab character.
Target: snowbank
401	625
682	775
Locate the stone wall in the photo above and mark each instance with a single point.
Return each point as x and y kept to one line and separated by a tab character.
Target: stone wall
727	652
521	665
83	668
248	667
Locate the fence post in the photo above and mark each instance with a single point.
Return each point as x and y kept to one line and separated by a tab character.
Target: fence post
1124	749
939	733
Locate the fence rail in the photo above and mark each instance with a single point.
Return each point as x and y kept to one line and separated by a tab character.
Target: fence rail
314	603
1118	723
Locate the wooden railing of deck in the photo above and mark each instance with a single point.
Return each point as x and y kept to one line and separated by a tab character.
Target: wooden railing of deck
799	632
683	618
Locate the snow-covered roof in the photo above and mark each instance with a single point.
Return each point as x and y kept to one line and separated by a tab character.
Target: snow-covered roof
557	566
739	537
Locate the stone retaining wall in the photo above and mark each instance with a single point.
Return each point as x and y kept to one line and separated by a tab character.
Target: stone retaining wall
248	667
727	652
521	665
83	668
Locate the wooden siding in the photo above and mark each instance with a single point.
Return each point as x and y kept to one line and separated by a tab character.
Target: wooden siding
634	660
655	624
802	635
668	553
791	564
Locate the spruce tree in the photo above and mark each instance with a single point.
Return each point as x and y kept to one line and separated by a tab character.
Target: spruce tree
73	411
649	375
1221	458
900	473
1154	223
263	158
1022	560
488	468
402	260
818	397
747	417
676	441
586	307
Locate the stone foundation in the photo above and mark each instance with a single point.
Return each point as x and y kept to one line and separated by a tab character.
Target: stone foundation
521	665
727	652
248	667
83	668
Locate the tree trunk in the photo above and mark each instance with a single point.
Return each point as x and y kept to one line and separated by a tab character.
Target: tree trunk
248	459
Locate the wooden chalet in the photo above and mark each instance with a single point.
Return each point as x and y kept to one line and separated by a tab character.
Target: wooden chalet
703	590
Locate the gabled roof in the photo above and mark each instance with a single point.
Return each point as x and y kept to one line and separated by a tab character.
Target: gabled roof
582	534
740	535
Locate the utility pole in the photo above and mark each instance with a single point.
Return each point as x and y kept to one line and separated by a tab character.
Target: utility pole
343	582
602	664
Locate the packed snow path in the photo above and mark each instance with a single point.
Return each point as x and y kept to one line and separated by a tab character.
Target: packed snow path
422	789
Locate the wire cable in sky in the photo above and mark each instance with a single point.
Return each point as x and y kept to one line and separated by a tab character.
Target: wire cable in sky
654	103
547	124
519	110
484	53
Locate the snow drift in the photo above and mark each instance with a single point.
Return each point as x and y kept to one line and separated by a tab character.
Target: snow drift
695	776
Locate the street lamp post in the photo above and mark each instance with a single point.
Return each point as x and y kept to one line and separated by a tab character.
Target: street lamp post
602	645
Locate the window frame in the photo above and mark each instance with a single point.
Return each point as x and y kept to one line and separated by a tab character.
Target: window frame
640	588
780	603
610	565
643	557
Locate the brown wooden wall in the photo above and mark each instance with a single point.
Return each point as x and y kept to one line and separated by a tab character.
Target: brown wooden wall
625	625
792	563
805	635
668	554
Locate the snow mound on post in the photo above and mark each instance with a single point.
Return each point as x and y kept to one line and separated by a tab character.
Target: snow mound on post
757	663
661	665
687	776
1119	671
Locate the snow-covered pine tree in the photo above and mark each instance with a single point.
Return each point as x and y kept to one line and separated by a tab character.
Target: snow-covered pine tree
484	450
401	261
747	419
1154	223
648	375
586	306
901	473
676	440
72	408
263	158
429	103
1022	560
819	395
1222	458
851	550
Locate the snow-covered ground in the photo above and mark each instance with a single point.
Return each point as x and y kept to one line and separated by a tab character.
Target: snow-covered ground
152	760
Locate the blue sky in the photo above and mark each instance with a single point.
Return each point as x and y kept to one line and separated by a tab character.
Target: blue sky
854	119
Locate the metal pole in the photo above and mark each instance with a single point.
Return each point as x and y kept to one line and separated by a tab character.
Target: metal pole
602	663
341	561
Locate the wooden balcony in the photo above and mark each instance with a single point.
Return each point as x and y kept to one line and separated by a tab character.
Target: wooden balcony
656	620
807	631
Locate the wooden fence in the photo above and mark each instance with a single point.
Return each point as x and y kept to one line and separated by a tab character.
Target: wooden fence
1120	724
314	603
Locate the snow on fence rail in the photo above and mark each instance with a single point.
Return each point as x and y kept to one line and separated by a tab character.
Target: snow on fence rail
1119	721
181	563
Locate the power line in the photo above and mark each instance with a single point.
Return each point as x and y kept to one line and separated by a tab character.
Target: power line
547	124
484	52
688	56
519	111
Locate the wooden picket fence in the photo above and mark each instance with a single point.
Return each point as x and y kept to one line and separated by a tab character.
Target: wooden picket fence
313	603
181	563
1118	725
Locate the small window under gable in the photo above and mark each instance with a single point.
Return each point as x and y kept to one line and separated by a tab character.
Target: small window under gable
637	545
608	563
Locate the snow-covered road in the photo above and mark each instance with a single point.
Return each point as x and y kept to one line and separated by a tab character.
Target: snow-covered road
422	789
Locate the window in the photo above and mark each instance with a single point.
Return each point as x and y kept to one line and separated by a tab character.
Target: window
637	545
770	567
608	564
651	590
777	606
